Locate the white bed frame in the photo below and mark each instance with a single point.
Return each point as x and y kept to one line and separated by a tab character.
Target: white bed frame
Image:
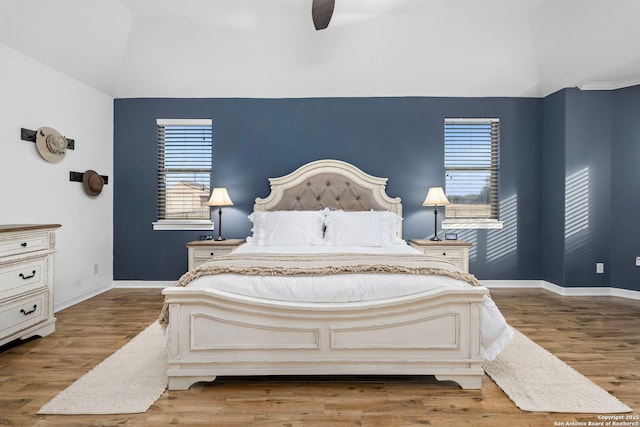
214	333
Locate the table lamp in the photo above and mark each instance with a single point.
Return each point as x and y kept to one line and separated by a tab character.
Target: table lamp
435	197
219	198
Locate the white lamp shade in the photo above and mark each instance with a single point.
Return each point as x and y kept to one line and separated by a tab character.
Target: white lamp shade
220	197
436	197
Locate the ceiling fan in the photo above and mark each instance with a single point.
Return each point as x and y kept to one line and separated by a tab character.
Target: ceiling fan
321	11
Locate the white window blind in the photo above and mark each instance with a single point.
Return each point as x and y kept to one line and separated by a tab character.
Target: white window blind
471	161
185	156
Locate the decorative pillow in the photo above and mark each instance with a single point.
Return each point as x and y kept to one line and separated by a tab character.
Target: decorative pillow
363	228
287	228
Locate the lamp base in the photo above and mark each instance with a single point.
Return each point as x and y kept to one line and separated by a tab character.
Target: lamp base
220	238
435	237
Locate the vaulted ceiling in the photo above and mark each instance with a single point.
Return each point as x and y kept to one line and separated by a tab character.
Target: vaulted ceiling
269	48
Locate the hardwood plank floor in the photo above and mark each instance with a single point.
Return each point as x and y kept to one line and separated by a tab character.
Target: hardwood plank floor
598	336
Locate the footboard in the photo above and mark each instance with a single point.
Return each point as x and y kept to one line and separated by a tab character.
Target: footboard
212	333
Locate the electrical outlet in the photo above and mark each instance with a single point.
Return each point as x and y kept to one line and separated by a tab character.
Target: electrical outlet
600	267
638	261
95	268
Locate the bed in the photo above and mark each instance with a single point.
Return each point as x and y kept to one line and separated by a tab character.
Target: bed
312	292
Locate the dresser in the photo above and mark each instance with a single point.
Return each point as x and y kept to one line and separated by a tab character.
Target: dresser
203	250
26	280
454	251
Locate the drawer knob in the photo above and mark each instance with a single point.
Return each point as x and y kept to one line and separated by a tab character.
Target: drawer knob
33	273
211	254
444	254
23	244
26	313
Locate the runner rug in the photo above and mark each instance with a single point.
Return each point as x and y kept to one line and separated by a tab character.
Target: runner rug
536	380
127	382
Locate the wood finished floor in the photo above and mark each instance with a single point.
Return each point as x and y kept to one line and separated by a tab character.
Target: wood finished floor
598	336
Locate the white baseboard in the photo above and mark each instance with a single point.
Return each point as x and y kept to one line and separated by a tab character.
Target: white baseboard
61	305
139	284
625	293
132	284
564	291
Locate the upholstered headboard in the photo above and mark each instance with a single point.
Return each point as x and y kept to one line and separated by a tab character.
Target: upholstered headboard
329	183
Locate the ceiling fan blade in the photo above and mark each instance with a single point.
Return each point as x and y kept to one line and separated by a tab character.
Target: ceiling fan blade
321	11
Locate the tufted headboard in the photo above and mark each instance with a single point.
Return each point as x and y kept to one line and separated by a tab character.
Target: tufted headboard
329	183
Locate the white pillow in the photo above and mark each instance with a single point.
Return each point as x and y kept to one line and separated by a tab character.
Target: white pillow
287	228
362	228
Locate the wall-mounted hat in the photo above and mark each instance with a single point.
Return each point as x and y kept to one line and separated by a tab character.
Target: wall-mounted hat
92	182
51	145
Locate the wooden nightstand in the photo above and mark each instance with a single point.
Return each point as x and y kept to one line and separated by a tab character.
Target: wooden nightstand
455	251
203	250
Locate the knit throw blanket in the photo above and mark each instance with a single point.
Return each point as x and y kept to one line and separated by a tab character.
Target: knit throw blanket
291	265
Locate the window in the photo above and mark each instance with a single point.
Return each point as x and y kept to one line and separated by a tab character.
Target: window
185	156
471	163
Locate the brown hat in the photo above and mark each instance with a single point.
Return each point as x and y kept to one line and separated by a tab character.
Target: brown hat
92	182
50	144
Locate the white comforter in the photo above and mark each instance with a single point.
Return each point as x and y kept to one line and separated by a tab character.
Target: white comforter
352	287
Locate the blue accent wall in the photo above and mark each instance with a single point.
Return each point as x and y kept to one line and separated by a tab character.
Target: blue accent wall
624	236
587	205
591	188
553	180
398	138
569	177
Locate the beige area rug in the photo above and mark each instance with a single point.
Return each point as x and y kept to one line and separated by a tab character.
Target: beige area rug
536	380
127	382
134	377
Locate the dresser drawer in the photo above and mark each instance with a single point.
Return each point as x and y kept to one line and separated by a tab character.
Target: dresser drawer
26	242
201	251
448	253
20	277
455	252
211	252
23	312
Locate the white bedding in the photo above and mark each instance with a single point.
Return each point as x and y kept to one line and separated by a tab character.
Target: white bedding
352	287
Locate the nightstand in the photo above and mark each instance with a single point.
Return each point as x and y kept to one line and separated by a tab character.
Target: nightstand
455	251
203	250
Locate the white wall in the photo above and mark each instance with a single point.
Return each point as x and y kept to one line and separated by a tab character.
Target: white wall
32	190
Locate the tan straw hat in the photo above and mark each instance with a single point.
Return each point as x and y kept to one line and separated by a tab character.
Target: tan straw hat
50	144
92	182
